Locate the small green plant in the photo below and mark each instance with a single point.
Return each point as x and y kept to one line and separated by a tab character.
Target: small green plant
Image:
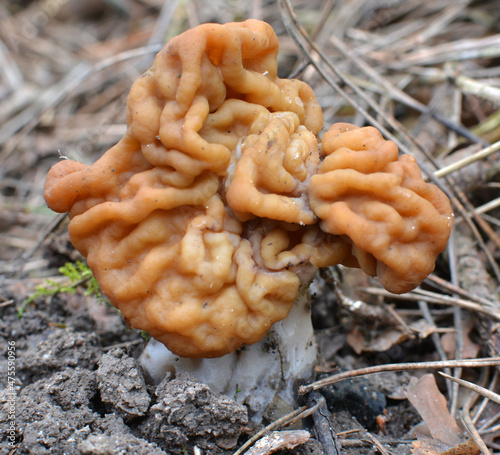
78	274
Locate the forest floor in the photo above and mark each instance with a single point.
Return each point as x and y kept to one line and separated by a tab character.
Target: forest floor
426	73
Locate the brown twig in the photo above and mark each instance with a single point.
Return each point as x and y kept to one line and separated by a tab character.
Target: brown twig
431	297
476	363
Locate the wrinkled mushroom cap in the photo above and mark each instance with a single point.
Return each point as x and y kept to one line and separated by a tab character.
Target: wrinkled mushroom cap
202	222
397	222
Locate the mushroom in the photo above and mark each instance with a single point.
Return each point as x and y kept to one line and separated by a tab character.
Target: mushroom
207	219
398	224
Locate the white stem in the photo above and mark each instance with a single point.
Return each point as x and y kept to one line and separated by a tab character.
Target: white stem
256	375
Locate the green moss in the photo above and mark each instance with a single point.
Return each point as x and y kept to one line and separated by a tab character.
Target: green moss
78	274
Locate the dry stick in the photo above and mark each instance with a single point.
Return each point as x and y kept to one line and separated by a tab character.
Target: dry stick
487	427
476	438
277	423
493	204
483	224
457	202
12	75
459	354
456	115
436	339
471	86
399	45
192	14
292	25
373	42
481	212
457	320
294	29
466	419
487	125
378	445
432	297
452	261
7	303
346	15
160	28
435	26
465	207
58	219
438	98
482	154
475	278
400	320
467	363
399	95
474	387
491	219
321	418
323	16
28	254
29	117
163	22
452	51
482	406
50	97
363	442
256	9
494	429
453	289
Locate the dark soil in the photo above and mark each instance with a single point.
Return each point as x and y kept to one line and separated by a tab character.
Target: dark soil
80	390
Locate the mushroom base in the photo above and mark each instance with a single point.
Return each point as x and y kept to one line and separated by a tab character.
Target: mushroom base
261	376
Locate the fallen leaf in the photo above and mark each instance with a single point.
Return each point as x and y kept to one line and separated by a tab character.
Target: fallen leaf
467	448
388	337
433	447
383	342
431	405
470	349
427	446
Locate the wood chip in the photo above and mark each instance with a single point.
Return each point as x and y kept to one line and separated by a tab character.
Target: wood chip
279	440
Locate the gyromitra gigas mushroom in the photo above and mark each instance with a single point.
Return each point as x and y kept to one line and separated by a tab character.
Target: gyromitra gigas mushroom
397	223
202	223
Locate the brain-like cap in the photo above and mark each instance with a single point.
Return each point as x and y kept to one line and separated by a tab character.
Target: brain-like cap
202	222
398	223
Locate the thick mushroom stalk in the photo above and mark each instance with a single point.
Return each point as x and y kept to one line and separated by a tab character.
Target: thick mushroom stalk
262	376
219	203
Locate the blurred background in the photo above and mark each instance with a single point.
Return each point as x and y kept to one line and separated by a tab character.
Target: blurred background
429	73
